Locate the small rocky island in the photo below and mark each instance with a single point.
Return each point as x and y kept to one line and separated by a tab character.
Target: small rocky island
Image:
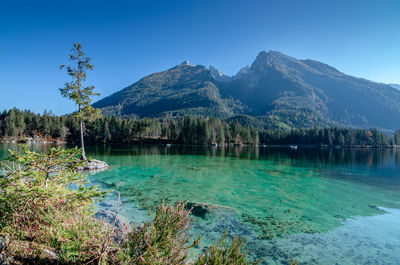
93	165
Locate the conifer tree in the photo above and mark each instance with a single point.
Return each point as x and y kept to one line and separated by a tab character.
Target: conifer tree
75	90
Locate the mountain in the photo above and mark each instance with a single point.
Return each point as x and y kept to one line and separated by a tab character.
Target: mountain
182	90
397	86
275	91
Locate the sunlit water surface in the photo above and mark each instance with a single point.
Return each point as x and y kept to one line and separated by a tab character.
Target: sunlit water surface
313	206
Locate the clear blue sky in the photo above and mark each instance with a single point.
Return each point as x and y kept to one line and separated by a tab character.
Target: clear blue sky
131	39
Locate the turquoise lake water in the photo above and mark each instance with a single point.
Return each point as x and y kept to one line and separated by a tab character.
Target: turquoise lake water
315	206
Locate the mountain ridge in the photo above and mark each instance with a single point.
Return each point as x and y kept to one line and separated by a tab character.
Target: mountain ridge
278	89
396	86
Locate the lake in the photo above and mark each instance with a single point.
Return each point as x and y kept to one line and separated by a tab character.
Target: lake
315	206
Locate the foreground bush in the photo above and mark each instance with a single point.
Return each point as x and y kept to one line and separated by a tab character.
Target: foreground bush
232	255
165	240
47	206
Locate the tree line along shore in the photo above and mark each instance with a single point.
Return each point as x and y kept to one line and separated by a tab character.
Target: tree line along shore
25	126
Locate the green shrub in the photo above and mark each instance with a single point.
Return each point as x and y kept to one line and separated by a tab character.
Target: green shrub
165	240
224	255
45	202
34	184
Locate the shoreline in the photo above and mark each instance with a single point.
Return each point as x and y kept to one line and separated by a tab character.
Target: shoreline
30	140
163	142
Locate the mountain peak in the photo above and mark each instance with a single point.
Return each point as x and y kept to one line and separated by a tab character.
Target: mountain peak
215	73
183	64
186	62
270	53
287	64
396	86
282	90
242	72
271	58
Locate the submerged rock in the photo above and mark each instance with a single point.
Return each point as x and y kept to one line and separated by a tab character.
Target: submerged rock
94	165
122	225
202	209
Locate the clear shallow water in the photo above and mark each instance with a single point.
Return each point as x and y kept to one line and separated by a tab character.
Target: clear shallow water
315	206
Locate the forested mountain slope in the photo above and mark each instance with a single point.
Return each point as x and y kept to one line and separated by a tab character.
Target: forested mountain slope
275	91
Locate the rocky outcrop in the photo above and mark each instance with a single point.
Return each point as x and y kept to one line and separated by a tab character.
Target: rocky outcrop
18	254
94	165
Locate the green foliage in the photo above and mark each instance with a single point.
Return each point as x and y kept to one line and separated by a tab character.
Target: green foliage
74	89
224	254
165	240
180	91
45	201
43	179
326	136
187	130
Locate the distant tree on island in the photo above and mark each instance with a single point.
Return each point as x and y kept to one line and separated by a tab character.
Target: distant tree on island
75	90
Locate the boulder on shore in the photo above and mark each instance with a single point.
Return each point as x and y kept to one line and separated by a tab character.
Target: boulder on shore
27	252
93	165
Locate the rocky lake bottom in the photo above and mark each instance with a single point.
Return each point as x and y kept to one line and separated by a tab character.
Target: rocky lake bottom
315	206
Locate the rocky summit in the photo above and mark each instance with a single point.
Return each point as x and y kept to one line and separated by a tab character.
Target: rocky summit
275	91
